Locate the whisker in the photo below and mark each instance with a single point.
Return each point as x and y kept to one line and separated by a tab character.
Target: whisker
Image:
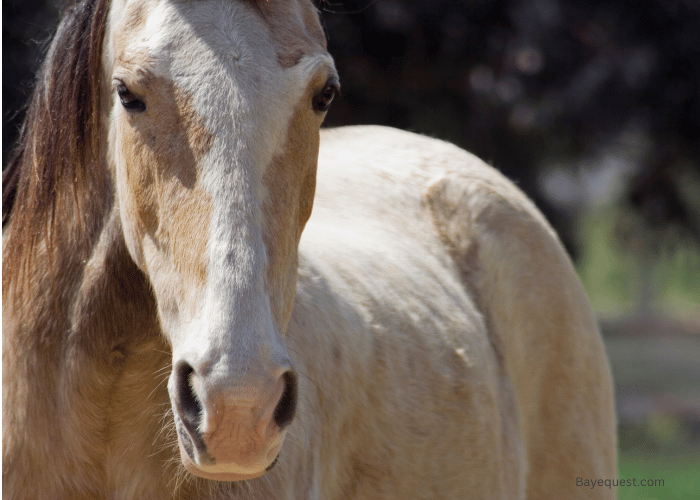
165	379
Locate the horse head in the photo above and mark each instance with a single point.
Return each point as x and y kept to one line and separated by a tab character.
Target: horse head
214	126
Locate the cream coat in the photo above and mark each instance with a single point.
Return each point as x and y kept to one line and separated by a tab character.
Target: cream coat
445	345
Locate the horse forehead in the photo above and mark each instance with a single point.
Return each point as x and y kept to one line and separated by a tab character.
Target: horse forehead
289	29
166	31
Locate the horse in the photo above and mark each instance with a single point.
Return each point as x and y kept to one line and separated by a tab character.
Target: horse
168	332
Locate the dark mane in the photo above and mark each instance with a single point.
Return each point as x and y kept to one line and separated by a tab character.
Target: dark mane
57	160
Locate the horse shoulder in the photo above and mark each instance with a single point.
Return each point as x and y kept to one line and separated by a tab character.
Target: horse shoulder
402	379
390	399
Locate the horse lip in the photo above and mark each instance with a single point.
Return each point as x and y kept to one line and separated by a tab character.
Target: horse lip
188	444
200	469
192	463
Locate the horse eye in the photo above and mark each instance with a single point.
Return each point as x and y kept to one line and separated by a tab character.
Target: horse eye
322	100
129	100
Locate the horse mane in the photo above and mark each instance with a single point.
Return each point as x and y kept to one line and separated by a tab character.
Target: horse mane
58	158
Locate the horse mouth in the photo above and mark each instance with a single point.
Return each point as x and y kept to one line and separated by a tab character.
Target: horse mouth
199	462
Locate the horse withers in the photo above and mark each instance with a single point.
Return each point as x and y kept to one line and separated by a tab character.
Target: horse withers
168	333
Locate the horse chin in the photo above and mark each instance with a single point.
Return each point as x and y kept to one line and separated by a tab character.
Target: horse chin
223	472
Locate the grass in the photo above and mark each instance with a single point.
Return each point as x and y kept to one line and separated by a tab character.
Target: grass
680	475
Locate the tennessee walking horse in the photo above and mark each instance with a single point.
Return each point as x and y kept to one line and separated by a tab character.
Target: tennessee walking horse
169	333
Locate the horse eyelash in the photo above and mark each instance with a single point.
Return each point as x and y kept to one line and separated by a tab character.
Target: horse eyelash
128	100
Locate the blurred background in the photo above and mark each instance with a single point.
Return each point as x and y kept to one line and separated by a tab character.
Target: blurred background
593	108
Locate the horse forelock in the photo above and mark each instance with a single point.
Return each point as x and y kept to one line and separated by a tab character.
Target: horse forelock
55	176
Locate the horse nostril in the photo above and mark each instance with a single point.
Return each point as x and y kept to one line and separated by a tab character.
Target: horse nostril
188	405
286	407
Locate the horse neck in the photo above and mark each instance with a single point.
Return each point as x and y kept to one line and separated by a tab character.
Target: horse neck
72	309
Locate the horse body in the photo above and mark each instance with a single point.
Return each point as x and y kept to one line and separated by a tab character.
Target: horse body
421	393
432	267
436	344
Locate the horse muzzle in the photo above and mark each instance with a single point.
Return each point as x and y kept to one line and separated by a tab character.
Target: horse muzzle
231	429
